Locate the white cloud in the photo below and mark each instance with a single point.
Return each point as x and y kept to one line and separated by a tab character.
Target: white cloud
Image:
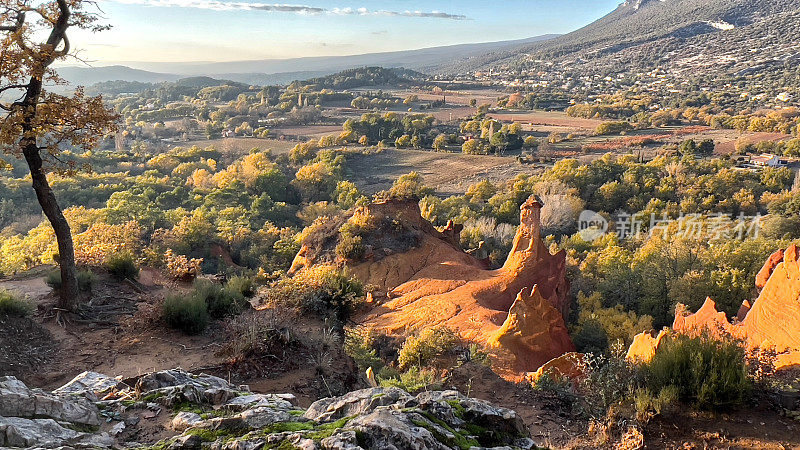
217	5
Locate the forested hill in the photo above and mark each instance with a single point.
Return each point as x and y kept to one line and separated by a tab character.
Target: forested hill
363	76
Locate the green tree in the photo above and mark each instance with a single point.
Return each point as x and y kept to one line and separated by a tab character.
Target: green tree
706	147
440	143
473	147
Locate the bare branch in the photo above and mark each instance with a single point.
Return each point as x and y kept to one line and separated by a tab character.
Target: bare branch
17	26
14	86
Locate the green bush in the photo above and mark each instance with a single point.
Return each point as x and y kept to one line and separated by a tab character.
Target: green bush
321	290
191	312
350	247
591	338
705	371
607	128
610	380
122	265
647	404
220	301
86	280
12	305
188	313
53	279
359	344
243	285
412	380
422	349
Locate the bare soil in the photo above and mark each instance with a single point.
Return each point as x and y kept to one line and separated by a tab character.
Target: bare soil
757	427
539	119
447	173
240	146
51	348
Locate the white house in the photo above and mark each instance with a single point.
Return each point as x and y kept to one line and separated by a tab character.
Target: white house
768	160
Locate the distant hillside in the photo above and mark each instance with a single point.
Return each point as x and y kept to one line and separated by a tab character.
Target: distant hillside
427	60
638	21
364	76
716	38
86	76
169	90
284	71
174	90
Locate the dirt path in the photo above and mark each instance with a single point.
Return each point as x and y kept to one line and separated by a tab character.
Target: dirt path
33	288
49	350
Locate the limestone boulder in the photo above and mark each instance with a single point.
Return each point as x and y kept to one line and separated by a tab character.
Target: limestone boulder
92	385
17	400
355	403
366	419
169	387
46	433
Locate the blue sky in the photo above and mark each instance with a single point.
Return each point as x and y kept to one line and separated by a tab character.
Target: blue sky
222	30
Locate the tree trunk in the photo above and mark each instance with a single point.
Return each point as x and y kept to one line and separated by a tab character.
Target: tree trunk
68	295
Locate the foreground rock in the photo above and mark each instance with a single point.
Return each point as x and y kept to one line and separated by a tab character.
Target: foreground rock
374	418
771	322
32	417
515	312
203	411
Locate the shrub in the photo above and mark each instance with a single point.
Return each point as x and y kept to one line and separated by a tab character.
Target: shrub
254	337
86	280
53	279
12	305
188	313
648	404
243	285
610	380
220	301
180	267
422	349
412	380
607	128
705	371
322	290
591	338
122	265
359	344
479	356
350	247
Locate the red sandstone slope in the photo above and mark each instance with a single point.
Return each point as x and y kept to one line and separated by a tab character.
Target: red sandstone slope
516	312
773	320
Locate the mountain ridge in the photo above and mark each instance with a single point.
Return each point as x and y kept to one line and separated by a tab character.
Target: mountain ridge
284	71
709	39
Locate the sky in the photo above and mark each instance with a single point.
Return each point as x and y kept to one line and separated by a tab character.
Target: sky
222	30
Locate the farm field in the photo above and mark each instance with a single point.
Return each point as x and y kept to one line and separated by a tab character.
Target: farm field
447	173
238	146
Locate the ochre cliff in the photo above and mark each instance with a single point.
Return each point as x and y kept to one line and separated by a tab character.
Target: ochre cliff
515	312
771	322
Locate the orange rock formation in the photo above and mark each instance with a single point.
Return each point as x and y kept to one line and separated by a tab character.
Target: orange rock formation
772	321
516	312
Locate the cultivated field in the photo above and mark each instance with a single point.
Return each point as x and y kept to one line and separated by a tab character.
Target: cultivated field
447	173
